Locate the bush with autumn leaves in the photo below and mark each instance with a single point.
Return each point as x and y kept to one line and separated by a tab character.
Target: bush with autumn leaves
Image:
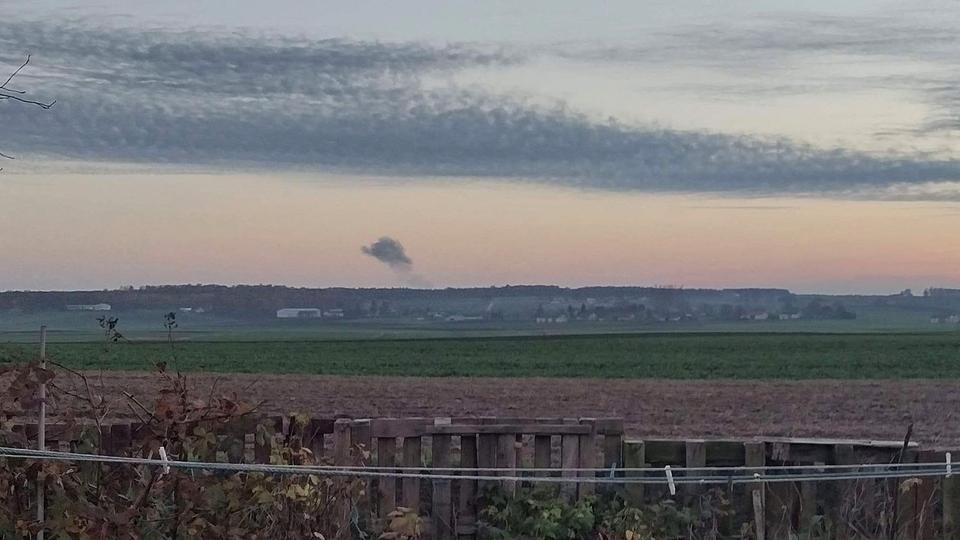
124	501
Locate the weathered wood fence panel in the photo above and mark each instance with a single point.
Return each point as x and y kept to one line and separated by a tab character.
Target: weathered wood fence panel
927	507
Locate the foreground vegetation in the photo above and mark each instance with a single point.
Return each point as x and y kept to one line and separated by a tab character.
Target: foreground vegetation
94	499
675	356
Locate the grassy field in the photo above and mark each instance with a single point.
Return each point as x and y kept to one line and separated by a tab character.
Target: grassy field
67	326
676	356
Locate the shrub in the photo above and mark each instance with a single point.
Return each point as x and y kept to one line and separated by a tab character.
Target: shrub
541	513
100	500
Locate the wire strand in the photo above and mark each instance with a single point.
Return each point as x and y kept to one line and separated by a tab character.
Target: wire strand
773	468
685	478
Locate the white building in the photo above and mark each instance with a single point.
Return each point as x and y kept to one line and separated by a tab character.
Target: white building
88	307
462	318
299	313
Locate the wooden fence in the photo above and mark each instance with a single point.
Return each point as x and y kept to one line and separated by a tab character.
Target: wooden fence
918	508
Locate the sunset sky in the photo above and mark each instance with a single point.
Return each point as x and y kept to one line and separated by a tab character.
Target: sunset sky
703	144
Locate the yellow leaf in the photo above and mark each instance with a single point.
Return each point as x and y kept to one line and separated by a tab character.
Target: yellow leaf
909	484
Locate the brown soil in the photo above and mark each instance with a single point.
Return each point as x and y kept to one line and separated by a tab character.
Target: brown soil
651	408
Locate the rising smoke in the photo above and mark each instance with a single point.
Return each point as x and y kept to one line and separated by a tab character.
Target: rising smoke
392	253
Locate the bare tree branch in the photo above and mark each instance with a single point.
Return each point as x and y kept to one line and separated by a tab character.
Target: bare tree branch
14	74
11	94
40	104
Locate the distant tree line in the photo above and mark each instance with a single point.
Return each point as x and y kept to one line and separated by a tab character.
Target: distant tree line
264	300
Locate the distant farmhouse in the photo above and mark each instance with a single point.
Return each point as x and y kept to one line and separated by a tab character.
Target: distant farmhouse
310	313
299	313
462	318
88	307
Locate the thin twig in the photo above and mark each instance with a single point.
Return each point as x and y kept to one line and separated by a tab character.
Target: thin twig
40	104
132	398
14	74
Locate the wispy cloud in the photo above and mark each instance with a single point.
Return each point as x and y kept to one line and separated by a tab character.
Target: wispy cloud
245	100
775	55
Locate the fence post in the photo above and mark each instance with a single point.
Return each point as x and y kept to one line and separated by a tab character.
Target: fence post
412	449
341	456
906	523
612	447
487	457
755	455
951	507
386	457
507	459
925	497
467	516
570	461
905	494
342	441
442	501
842	455
696	456
361	441
634	457
808	508
914	504
42	433
588	457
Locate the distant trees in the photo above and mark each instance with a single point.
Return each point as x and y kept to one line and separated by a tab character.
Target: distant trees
263	301
817	309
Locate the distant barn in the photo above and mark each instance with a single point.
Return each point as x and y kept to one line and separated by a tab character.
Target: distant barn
88	307
299	313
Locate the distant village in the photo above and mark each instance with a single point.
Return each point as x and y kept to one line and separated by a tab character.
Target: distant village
541	305
560	311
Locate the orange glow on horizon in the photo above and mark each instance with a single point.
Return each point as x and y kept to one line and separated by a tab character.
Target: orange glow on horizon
84	231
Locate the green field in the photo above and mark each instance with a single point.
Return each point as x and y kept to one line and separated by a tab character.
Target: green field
678	356
147	325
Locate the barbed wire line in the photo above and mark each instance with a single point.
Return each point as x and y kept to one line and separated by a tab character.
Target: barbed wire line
684	477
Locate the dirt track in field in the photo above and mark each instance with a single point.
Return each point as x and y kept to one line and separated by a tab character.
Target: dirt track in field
710	409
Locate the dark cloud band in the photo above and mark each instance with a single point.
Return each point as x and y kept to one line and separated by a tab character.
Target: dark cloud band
263	102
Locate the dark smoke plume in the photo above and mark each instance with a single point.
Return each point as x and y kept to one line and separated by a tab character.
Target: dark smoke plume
390	252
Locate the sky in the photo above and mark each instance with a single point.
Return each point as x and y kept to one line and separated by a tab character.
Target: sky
702	144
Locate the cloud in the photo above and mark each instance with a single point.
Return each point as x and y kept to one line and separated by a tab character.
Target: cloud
390	252
262	102
910	51
775	41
